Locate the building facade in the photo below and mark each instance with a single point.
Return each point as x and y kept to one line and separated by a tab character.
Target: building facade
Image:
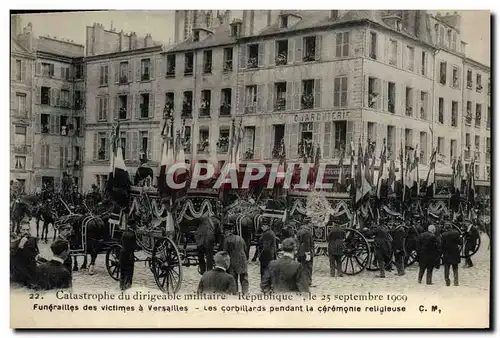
328	77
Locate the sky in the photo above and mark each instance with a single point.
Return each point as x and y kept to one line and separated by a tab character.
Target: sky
475	26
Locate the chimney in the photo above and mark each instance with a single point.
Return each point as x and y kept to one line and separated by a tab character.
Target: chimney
133	41
15	25
148	41
122	41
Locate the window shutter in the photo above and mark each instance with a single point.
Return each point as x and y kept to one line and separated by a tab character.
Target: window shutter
416	105
262	53
52	96
257	139
38	68
270	97
41	156
47	155
127	145
151	111
152	67
298	49
327	139
130	105
61	156
349	133
51	124
296	95
105	107
161	68
268	141
51	69
316	132
58	97
57	125
116	108
38	93
317	93
294	140
150	145
317	52
138	70
179	65
385	97
130	66
24	66
241	99
62	72
291	49
38	122
243	57
386	49
137	106
107	146
272	53
289	97
134	145
117	72
260	98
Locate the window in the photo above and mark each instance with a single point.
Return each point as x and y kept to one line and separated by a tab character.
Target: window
18	70
203	146
479	84
340	92
488	174
284	21
144	105
188	64
20	130
102	152
477	142
102	108
187	139
78	126
123	105
441	110
281	52
371	132
453	149
441	35
64	125
45	123
342	45
225	108
250	99
456	77
469	78
171	65
391	105
47	69
306	136
123	73
373	45
467	146
340	129
391	140
65	73
223	142
196	36
123	142
478	114
408	138
45	95
78	100
398	25
79	71
205	103
442	73
207	62
423	105
394	52
454	113
476	171
103	75
249	143
64	102
448	38
423	66
253	56
45	156
187	103
409	101
423	147
309	53
280	96
454	41
20	162
144	139
488	146
145	69
279	135
441	146
411	58
235	30
21	104
228	59
468	113
307	99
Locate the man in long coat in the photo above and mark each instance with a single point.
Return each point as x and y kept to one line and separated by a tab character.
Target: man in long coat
398	246
267	248
205	237
235	246
428	254
471	238
285	274
218	280
450	247
336	249
305	254
383	249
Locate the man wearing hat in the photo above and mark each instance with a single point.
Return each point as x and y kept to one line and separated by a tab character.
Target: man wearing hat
127	258
450	245
235	246
267	248
53	274
24	252
143	172
285	274
218	280
398	234
65	232
428	254
336	247
471	238
305	253
383	249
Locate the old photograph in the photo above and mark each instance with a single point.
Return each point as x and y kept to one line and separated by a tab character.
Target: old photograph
250	169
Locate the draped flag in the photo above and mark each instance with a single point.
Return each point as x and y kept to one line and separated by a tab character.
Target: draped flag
457	177
410	168
352	180
362	186
167	160
392	176
401	160
181	175
119	179
471	186
431	176
341	179
383	174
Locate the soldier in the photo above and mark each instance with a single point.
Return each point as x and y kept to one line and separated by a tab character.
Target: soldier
267	248
398	245
235	246
285	274
450	244
383	249
305	253
471	238
428	254
336	249
218	280
53	274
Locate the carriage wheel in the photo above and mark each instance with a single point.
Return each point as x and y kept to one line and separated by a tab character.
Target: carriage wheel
463	254
372	262
356	253
166	265
113	261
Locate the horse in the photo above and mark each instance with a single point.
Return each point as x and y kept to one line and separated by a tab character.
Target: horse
19	210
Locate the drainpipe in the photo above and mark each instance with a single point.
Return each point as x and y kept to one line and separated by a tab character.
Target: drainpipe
436	52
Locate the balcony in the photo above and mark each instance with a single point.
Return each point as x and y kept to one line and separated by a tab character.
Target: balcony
228	66
307	101
248	155
251	109
225	109
187	110
373	98
409	111
253	62
207	68
280	104
281	59
309	57
20	114
171	72
479	88
391	107
478	122
442	79
392	62
65	104
205	110
203	147
21	149
423	115
188	70
468	118
145	76
168	110
222	146
469	84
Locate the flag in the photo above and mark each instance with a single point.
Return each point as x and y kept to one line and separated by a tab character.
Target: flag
457	179
119	180
392	176
410	168
341	179
471	191
352	179
401	159
362	186
431	176
383	175
167	160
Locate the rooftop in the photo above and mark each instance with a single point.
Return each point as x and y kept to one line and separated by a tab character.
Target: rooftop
55	46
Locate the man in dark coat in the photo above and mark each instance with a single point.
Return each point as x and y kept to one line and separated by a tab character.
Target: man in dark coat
398	246
471	238
428	254
127	260
450	247
24	253
143	172
336	249
383	249
235	246
53	274
267	248
205	237
285	274
218	280
305	253
64	235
